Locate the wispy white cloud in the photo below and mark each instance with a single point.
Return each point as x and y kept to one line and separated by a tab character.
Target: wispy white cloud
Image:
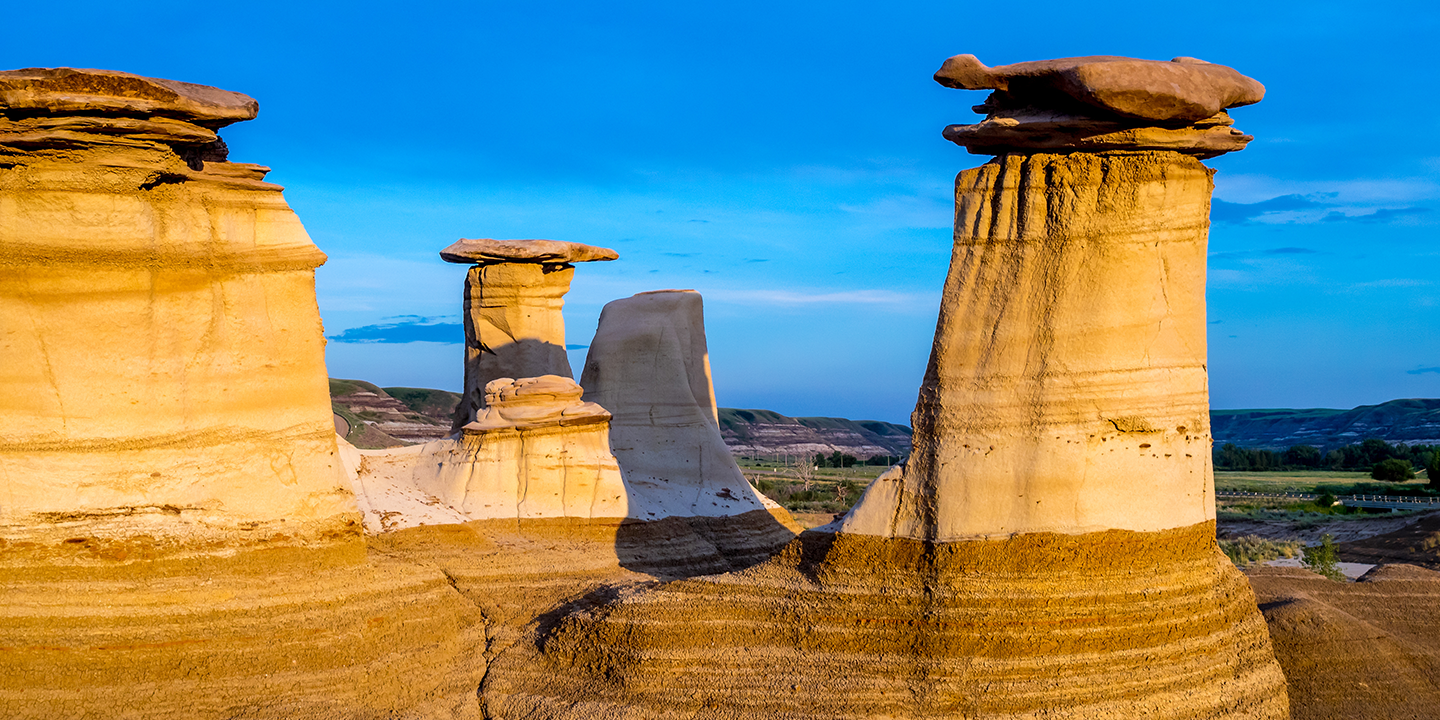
793	297
1359	191
1391	283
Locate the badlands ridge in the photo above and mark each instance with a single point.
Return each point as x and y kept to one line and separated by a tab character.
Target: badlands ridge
182	534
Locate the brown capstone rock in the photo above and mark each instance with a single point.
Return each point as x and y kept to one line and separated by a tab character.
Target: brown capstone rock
1102	103
485	250
1184	89
71	91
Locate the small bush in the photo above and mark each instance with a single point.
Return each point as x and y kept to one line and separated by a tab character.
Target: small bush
1326	500
1322	559
1252	549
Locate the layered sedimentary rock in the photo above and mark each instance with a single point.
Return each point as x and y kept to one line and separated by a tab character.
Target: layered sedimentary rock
538	457
1102	103
176	535
535	451
649	366
1368	649
1049	548
513	298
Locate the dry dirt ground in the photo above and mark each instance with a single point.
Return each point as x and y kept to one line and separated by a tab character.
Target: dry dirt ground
1310	531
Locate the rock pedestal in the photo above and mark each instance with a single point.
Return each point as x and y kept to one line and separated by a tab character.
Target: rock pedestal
176	535
536	452
1049	548
513	299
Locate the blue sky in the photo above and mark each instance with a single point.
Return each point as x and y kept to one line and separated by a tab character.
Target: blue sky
785	159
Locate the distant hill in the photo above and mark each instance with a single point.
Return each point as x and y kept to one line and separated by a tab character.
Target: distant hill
756	433
382	417
1410	421
374	417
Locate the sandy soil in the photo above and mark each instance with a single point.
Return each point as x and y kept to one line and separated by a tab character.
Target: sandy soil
1344	530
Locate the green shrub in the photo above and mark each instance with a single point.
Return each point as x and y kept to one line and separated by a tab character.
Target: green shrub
1252	549
1323	560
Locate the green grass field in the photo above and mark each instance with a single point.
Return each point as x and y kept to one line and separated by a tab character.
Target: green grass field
1310	481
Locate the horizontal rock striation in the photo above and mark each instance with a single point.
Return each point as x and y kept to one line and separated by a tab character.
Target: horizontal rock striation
1048	550
1368	649
1114	624
1102	103
1066	391
177	538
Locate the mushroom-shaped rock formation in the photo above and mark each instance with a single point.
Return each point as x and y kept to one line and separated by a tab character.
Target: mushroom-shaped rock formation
1102	103
513	298
1048	549
176	535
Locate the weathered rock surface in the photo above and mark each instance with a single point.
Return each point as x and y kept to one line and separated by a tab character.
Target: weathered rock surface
1066	390
1368	649
1184	89
649	366
177	538
1049	549
1102	103
513	299
536	451
485	250
69	92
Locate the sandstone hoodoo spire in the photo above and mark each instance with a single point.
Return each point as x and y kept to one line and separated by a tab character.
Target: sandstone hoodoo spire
1049	547
513	297
176	535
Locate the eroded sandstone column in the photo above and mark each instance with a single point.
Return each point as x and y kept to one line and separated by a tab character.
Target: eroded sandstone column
176	536
513	299
1049	549
650	367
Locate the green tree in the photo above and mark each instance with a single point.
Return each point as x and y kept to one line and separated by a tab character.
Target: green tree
1393	470
1303	455
1322	559
1432	469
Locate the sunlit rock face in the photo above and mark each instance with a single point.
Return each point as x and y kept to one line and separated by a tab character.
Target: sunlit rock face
537	451
162	354
1066	390
177	538
1049	549
514	295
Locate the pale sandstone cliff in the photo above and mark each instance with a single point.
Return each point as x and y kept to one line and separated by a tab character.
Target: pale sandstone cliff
1049	550
177	538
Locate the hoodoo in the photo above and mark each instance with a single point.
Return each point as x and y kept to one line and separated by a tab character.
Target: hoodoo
176	534
650	367
513	297
1049	549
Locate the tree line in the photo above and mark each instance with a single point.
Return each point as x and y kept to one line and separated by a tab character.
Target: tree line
1390	463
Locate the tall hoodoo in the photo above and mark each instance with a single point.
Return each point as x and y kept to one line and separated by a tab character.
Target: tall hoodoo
513	297
159	306
176	536
1049	547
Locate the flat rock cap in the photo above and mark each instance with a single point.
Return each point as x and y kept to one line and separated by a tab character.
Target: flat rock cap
1181	90
485	251
70	91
